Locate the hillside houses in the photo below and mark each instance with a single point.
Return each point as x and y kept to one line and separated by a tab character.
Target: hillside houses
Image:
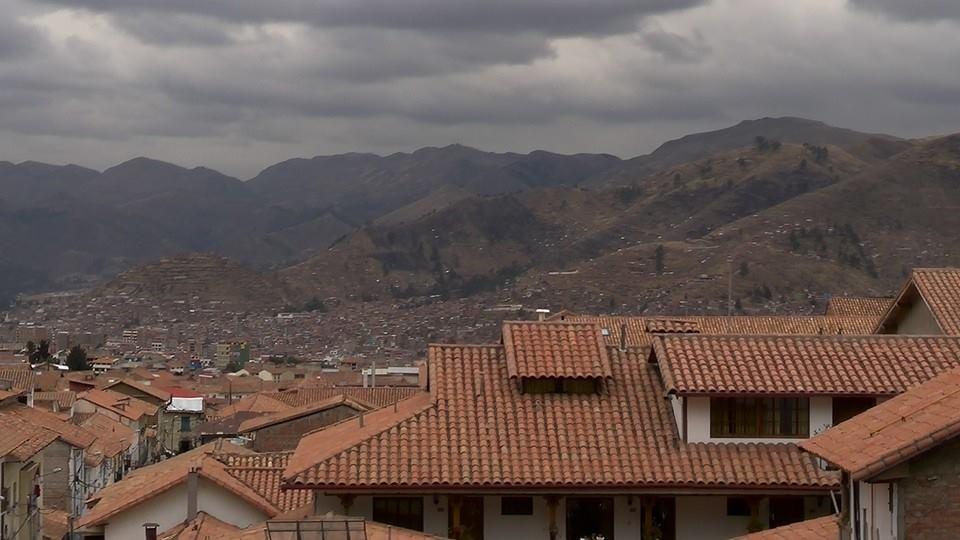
839	425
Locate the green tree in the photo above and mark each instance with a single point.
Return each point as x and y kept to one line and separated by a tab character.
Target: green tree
77	359
659	256
41	353
315	304
744	269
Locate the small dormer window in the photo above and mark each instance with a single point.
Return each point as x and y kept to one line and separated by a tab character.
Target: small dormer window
556	357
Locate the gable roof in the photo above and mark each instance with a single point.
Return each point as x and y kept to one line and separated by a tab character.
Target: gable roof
122	404
478	431
640	331
378	396
823	528
255	403
801	365
293	413
65	431
939	289
112	437
21	378
21	439
264	474
145	483
555	349
202	527
64	399
858	306
895	430
157	393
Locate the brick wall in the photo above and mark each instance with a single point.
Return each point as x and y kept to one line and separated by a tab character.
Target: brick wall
56	485
286	435
930	495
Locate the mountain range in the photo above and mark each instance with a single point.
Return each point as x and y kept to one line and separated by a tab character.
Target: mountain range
798	207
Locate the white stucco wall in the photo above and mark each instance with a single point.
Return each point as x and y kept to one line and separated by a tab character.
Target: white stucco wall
676	403
170	508
706	517
877	513
699	517
698	419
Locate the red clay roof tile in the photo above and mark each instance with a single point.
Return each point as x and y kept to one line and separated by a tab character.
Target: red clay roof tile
813	365
555	349
858	306
378	396
260	422
824	528
639	331
895	430
478	431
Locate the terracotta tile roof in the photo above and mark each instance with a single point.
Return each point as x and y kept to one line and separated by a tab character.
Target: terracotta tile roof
636	333
7	394
256	403
814	365
555	349
22	439
824	528
264	473
378	396
112	437
67	432
293	413
12	438
229	426
478	431
56	523
157	393
64	399
124	405
895	430
671	326
145	483
940	289
20	378
858	306
202	527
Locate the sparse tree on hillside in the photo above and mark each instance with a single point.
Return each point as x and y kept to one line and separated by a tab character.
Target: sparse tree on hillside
77	359
41	353
659	258
744	269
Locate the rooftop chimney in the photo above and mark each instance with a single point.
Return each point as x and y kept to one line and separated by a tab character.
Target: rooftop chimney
193	485
150	531
542	314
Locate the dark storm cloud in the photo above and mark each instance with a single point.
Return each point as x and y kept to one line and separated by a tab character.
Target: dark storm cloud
914	10
239	84
555	17
672	46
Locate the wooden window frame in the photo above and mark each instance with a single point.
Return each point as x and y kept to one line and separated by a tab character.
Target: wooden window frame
759	417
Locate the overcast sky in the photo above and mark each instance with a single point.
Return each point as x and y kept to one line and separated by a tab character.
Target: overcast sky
240	84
